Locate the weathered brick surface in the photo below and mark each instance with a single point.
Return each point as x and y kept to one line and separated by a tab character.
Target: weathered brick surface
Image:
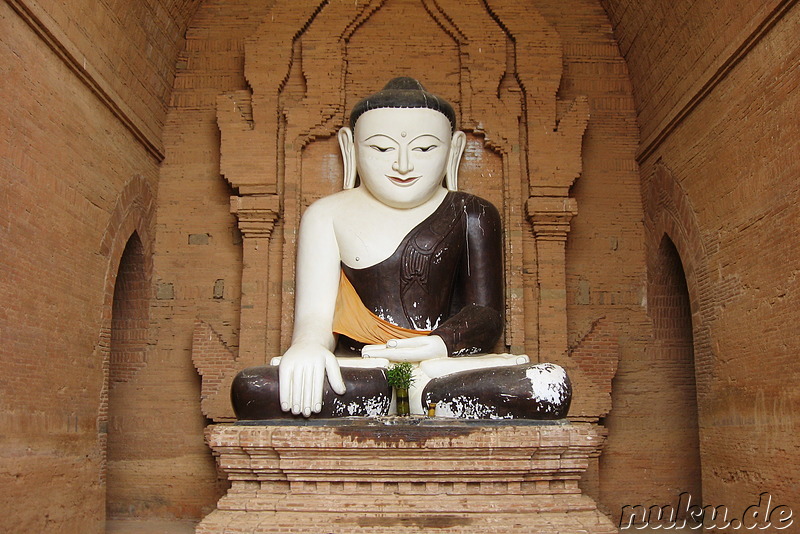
218	365
405	476
89	107
687	41
76	183
718	110
130	47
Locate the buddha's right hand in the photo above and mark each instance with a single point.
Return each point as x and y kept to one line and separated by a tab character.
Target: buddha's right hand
302	377
412	349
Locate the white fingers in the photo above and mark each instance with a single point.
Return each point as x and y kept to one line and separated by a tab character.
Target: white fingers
334	375
285	377
308	390
368	351
302	378
318	383
297	389
409	343
411	354
414	349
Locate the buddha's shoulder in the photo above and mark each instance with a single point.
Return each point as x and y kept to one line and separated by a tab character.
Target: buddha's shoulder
331	205
473	205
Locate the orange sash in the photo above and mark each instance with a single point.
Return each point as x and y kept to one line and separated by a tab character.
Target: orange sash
355	321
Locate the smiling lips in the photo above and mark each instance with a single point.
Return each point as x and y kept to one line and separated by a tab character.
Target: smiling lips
403	181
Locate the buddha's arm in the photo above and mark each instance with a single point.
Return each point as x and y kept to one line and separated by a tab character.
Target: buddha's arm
478	324
304	366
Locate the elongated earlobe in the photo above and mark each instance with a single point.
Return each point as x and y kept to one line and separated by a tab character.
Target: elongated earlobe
347	147
457	146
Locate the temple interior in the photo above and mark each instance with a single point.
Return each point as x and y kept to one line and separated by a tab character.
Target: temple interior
157	156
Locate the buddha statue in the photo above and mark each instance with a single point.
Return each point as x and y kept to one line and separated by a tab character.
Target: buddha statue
400	267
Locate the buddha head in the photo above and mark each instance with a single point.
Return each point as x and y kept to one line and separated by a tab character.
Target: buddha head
402	143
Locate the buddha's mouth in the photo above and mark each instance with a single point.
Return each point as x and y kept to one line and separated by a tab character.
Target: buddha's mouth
403	181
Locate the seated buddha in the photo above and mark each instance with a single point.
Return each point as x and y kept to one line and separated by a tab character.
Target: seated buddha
400	267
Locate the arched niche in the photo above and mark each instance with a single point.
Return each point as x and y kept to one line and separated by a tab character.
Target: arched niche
499	63
129	330
674	416
308	63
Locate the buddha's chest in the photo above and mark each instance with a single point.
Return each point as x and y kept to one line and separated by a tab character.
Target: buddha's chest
366	242
414	286
368	233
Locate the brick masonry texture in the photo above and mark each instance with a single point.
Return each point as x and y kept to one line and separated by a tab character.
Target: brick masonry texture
393	476
110	127
76	184
722	183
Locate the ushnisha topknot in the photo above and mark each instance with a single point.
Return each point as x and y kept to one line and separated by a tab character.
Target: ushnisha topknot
404	92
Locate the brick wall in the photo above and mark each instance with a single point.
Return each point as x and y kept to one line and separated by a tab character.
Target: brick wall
86	124
718	107
605	256
130	46
197	261
606	270
78	173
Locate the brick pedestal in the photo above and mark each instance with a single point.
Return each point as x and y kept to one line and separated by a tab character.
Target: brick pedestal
395	475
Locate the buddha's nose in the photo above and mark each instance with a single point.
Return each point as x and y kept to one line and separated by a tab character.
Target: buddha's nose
403	163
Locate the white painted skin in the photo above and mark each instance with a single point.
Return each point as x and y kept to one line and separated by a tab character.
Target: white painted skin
402	157
413	349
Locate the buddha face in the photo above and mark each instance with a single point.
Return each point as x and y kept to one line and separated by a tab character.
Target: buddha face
402	154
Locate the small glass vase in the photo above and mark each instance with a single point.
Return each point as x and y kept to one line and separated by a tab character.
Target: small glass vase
402	401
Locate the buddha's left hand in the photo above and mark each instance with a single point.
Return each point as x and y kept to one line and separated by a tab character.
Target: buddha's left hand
413	349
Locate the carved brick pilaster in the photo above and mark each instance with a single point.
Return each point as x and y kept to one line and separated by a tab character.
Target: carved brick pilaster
243	146
550	218
256	214
557	154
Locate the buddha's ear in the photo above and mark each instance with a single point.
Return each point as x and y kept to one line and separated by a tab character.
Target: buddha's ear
347	146
457	146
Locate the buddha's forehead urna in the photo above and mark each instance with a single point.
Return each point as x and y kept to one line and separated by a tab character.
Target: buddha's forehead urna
404	92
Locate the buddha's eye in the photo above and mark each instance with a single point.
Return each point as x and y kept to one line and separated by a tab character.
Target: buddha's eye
424	148
380	148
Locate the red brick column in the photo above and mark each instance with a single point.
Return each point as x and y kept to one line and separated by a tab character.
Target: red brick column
550	218
257	215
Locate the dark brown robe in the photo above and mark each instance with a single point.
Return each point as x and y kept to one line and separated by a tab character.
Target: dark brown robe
446	276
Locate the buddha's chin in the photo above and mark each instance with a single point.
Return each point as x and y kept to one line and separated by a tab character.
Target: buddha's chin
403	196
406	203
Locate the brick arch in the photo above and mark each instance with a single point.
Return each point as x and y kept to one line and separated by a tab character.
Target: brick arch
130	313
679	353
134	210
668	211
505	90
133	215
672	367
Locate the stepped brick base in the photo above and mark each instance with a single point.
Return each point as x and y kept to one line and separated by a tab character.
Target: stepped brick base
403	475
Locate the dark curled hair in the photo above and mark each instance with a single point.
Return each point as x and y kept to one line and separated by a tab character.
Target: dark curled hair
404	92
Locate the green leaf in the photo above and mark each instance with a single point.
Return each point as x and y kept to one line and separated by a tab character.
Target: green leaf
399	375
